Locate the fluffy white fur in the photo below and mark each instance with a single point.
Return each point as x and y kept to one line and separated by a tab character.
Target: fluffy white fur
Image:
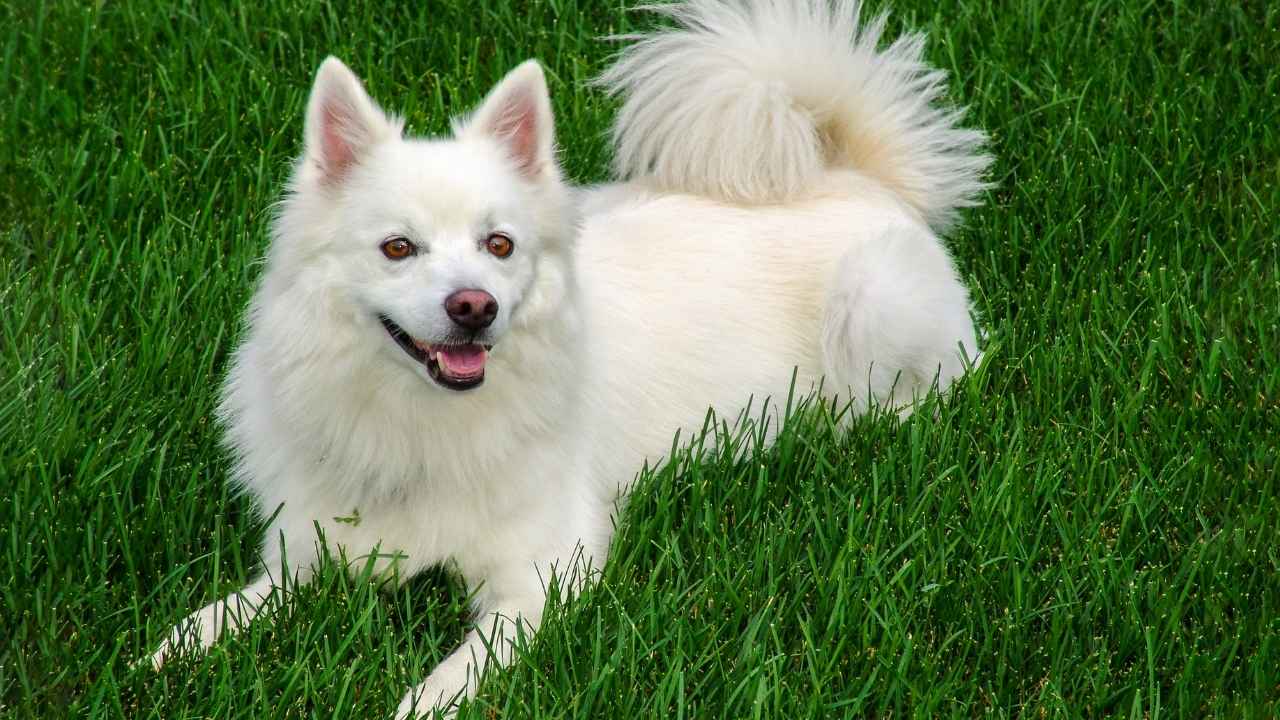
786	183
785	91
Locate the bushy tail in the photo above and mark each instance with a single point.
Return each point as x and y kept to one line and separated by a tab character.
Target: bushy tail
750	101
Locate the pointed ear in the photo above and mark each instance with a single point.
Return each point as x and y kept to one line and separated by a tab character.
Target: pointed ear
342	121
517	113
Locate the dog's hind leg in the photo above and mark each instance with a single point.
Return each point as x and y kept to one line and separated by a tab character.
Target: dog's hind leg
897	321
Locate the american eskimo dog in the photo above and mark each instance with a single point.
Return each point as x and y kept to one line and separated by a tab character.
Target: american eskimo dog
477	358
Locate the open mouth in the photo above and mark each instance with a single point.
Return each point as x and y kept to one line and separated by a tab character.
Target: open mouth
457	366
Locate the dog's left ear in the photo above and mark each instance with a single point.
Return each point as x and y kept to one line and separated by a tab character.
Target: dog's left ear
517	113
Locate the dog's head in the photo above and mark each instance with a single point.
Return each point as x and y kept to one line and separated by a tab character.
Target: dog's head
428	251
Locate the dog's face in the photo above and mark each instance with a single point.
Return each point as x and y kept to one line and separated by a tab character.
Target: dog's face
434	246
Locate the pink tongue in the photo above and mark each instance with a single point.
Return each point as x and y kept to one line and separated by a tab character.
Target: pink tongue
461	360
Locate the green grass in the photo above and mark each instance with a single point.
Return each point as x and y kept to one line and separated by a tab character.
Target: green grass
1090	526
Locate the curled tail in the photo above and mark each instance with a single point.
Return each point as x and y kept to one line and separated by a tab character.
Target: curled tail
751	101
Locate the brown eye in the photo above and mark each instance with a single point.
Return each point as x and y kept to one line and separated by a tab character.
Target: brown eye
499	245
398	248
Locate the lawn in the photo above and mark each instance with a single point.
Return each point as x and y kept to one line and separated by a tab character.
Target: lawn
1088	526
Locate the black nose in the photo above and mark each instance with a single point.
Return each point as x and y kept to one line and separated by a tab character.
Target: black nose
472	309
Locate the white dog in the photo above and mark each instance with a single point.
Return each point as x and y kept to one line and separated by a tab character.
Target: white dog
475	359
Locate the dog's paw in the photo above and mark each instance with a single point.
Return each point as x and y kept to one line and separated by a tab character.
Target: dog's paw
417	705
156	659
437	697
193	635
425	703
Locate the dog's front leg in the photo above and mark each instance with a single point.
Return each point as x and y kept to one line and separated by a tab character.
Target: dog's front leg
489	643
200	629
458	676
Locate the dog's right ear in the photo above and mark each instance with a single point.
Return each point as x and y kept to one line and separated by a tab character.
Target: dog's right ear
342	121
